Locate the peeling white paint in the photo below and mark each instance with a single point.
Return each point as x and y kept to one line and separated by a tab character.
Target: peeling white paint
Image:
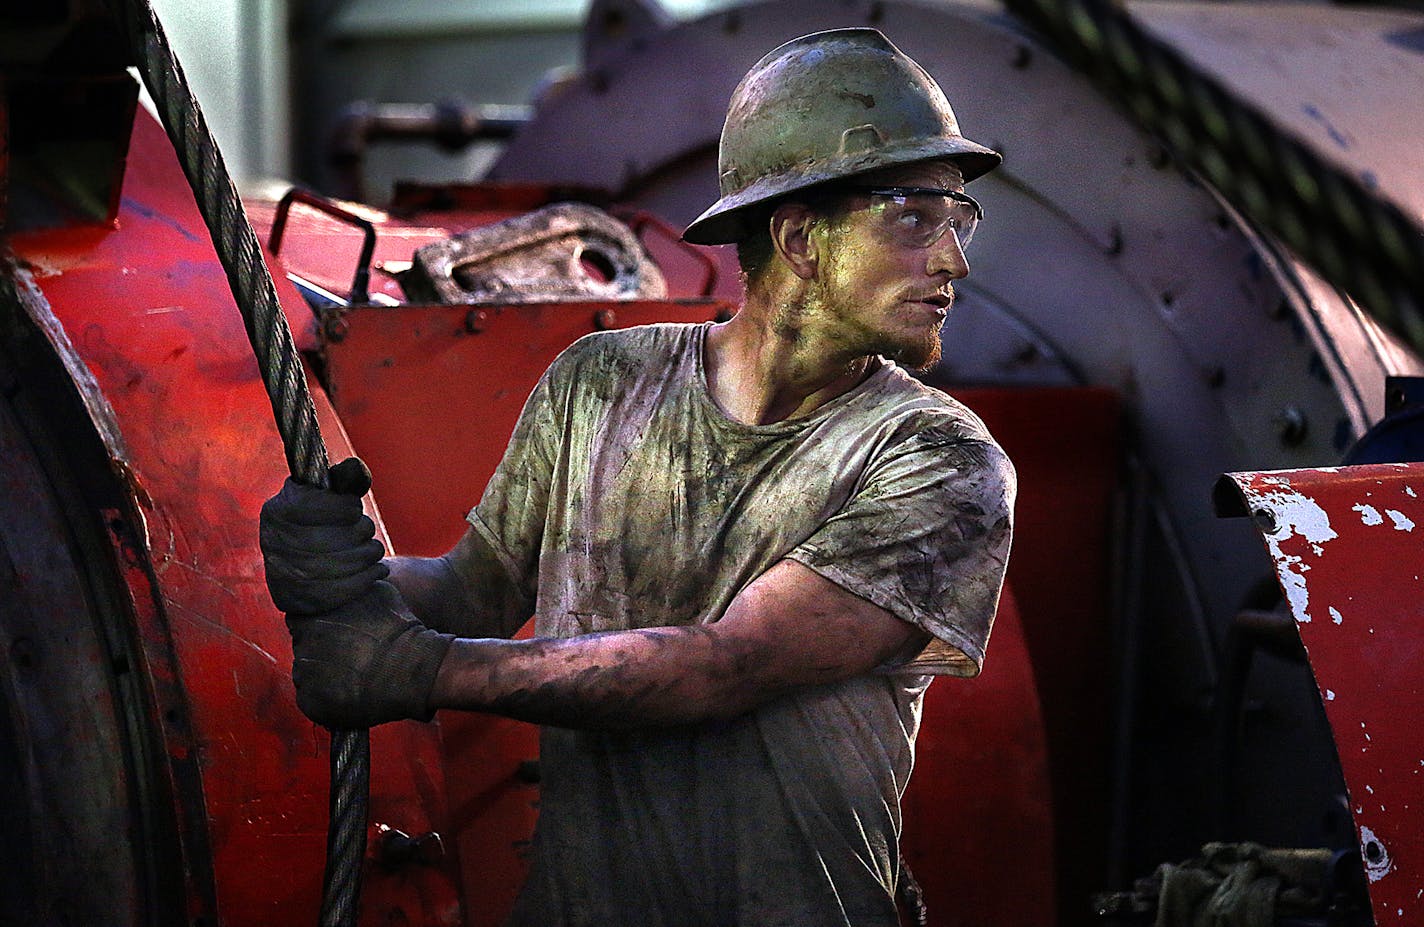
1369	514
1401	521
1410	491
1329	695
1294	514
1335	615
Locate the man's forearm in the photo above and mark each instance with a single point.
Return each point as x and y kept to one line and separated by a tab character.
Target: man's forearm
444	600
789	628
611	681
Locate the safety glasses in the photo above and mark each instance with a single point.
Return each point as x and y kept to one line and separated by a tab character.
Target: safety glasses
919	216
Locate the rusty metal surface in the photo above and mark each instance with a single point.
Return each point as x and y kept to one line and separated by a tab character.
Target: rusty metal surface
1346	543
564	251
325	251
145	307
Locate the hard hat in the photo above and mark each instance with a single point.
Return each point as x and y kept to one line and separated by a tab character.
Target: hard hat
826	106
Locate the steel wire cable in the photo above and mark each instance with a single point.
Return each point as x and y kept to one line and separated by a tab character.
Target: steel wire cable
285	381
1358	241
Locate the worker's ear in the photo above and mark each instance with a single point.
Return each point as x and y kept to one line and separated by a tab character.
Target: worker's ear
791	227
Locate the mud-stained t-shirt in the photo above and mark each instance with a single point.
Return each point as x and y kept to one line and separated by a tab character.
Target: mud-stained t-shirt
629	499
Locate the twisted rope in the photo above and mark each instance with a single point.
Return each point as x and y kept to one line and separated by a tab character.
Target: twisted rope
1361	243
282	374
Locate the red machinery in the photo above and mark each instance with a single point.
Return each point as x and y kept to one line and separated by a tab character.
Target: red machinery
155	766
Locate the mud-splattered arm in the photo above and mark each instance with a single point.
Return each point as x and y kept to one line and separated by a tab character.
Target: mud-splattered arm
467	592
789	628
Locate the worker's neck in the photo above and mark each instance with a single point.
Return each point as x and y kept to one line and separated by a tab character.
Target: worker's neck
779	358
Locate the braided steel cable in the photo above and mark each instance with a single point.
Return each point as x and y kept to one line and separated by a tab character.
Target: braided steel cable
282	374
1358	241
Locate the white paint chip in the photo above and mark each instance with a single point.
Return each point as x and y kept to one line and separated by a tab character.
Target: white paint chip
1369	514
1295	514
1335	615
1329	695
1409	490
1401	521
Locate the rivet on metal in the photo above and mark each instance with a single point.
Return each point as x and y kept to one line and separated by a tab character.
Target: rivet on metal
605	319
335	327
475	321
1291	425
1115	244
1265	520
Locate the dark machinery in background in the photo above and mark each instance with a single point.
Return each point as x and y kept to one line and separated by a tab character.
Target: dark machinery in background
1157	681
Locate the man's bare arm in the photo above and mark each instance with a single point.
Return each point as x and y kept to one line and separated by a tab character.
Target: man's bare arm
466	592
789	628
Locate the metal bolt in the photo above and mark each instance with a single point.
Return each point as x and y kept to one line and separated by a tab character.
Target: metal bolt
335	327
1291	425
475	321
605	319
1374	852
396	849
1265	520
1115	244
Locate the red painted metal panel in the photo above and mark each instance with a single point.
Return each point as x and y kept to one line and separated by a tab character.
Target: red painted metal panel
1347	549
147	308
1013	765
979	827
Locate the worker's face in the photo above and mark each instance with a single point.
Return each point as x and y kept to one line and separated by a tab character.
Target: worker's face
890	296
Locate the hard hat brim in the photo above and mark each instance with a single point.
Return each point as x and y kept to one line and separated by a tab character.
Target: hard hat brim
725	222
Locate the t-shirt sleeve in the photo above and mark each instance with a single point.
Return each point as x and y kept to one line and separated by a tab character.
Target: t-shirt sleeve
512	512
927	538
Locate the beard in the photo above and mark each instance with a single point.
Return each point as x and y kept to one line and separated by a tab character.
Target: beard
917	350
918	353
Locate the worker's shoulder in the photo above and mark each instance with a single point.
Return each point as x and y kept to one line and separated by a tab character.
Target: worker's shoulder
913	408
928	423
626	351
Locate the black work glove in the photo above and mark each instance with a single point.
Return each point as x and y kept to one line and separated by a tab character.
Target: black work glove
318	547
365	663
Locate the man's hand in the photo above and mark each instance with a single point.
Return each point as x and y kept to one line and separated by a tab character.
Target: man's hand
318	547
365	663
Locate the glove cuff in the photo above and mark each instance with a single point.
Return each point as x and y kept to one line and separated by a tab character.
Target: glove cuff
403	674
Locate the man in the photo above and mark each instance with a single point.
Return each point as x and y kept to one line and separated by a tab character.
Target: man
747	546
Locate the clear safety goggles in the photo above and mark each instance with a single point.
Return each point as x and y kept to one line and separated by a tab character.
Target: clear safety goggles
919	216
